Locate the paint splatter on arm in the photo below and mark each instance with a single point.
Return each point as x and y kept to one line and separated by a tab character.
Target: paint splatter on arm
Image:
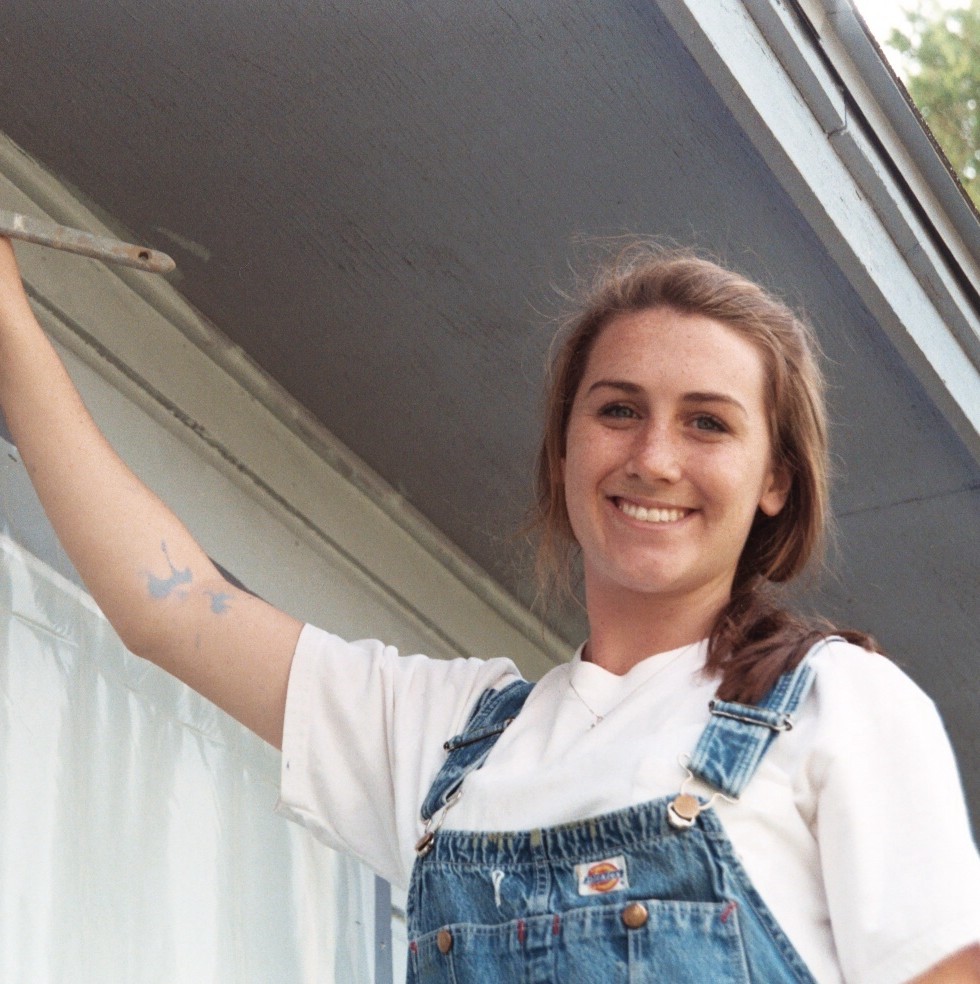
164	587
220	601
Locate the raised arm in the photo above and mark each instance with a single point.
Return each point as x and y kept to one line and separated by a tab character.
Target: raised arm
157	587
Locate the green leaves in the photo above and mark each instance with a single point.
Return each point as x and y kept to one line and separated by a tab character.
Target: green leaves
939	54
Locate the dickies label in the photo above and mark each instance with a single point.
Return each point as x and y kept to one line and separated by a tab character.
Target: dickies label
602	877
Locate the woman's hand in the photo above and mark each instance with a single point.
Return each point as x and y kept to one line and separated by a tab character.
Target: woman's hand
156	586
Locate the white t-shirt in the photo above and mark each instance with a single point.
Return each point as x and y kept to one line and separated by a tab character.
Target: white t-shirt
853	830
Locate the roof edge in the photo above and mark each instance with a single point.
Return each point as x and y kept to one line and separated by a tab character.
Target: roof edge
890	215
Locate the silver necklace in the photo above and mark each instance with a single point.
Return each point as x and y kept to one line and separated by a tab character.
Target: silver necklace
597	717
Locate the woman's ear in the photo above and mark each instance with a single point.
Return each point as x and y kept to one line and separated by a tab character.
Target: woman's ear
775	492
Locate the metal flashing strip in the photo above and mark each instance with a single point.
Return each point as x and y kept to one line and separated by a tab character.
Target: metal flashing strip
885	129
876	90
900	236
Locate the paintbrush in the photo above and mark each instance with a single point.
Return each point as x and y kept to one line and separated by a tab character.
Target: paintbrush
46	233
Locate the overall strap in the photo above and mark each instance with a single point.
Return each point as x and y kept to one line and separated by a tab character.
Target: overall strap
467	751
739	735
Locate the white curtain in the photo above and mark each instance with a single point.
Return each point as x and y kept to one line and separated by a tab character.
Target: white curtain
137	839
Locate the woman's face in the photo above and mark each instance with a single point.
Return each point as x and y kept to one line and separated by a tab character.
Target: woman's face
668	456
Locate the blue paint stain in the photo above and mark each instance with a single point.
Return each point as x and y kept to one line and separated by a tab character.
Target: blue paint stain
219	601
163	587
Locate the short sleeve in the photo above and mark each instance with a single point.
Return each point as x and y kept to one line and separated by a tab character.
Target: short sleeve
362	741
899	864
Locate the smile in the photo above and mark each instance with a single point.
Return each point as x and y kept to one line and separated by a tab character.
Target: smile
652	515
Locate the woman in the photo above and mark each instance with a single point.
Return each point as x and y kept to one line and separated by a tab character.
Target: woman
770	838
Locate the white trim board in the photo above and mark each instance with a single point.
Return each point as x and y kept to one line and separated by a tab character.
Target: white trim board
771	75
135	332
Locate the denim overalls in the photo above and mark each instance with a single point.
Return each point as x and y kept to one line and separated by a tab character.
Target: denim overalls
650	893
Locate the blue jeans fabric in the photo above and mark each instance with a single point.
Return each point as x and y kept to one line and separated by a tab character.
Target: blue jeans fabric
623	897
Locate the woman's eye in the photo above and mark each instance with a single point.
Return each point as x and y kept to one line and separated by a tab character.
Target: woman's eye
617	411
706	422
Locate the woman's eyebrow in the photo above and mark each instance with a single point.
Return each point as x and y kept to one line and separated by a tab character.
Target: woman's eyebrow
620	384
716	398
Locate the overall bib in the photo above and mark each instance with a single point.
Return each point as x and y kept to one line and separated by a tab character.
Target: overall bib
653	892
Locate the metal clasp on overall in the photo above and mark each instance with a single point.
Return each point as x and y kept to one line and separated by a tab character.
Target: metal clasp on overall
684	809
424	844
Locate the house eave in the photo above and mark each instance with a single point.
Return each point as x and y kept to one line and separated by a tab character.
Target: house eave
812	93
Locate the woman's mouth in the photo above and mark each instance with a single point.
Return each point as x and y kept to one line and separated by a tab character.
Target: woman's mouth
650	514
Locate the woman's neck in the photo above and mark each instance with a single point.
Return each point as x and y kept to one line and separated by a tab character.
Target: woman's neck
625	629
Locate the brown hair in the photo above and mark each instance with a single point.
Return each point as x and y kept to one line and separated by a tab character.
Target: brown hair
754	639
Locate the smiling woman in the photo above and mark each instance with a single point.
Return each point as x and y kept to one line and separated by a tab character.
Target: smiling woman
667	462
732	370
710	789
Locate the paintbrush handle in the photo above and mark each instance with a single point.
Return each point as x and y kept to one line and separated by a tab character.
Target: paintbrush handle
46	233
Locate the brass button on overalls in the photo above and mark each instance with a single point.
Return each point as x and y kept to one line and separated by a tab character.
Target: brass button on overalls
635	915
444	940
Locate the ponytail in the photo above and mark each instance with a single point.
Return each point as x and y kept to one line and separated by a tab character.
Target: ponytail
755	639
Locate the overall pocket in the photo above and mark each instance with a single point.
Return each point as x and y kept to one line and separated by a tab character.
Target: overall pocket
636	941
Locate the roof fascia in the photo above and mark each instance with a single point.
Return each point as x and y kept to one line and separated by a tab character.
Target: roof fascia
828	123
881	97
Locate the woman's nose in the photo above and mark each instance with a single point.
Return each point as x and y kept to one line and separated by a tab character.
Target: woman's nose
655	455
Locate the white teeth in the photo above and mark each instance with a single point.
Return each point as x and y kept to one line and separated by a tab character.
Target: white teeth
652	515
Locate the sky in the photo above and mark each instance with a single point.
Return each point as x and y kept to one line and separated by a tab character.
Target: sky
882	15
